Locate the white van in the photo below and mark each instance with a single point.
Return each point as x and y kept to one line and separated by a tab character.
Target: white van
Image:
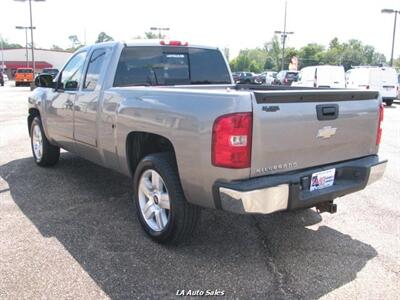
382	79
321	76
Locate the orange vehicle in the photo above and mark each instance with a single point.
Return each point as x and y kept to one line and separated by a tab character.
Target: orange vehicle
23	76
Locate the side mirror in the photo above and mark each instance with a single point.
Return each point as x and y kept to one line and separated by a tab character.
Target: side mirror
71	85
44	80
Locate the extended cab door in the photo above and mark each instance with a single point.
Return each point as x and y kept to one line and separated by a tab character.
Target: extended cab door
87	101
60	103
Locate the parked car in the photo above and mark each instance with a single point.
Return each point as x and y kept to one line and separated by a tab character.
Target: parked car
321	76
382	79
24	76
246	77
266	77
2	79
235	76
53	72
188	137
398	86
285	77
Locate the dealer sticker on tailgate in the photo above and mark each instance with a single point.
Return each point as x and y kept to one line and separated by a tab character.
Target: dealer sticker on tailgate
323	179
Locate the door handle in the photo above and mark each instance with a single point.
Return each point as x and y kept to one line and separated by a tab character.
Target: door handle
327	111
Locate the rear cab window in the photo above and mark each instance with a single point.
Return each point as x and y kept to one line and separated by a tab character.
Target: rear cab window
166	65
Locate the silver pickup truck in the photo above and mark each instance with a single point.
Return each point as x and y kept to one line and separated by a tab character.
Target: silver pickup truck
169	115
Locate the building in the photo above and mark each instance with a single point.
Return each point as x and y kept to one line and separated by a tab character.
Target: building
17	58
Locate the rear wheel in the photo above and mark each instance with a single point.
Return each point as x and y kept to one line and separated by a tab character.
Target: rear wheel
389	102
44	153
161	207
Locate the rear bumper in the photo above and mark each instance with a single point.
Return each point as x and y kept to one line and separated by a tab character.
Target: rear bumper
291	191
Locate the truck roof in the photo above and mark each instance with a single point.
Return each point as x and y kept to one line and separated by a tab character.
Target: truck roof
151	42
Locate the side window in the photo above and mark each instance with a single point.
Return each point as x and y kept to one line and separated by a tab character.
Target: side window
70	76
96	63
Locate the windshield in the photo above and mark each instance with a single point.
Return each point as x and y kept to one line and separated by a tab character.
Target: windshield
291	75
50	71
24	71
170	66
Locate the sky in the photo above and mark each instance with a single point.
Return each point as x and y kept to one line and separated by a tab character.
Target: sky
233	24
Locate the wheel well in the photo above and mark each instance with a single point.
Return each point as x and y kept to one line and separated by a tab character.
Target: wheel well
141	144
33	112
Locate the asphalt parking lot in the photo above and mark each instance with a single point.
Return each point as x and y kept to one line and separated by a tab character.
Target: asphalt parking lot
68	232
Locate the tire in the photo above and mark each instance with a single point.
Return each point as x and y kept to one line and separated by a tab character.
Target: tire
174	225
388	102
44	153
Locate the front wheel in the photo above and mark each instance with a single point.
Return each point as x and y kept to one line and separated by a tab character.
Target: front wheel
161	207
44	153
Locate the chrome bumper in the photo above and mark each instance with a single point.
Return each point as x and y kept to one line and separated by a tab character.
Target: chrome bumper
274	193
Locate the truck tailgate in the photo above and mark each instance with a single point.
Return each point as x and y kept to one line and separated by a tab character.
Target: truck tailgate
300	129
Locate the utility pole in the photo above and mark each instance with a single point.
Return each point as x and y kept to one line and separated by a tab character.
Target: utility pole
391	11
30	15
284	35
2	54
33	55
26	41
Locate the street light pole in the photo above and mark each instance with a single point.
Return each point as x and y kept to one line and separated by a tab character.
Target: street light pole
390	11
32	44
26	41
2	54
284	35
31	27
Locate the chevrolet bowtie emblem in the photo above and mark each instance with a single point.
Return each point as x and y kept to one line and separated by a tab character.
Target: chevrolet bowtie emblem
326	132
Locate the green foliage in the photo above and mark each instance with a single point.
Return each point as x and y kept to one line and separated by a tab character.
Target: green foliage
252	60
74	41
310	55
7	45
352	53
152	35
56	47
396	64
103	37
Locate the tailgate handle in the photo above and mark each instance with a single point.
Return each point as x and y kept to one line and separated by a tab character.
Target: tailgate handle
327	112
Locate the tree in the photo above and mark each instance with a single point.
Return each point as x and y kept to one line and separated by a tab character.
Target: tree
269	63
74	41
310	55
274	51
57	48
7	45
396	64
352	53
103	37
151	35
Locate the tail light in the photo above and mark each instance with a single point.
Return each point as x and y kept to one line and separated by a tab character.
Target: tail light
379	133
231	141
